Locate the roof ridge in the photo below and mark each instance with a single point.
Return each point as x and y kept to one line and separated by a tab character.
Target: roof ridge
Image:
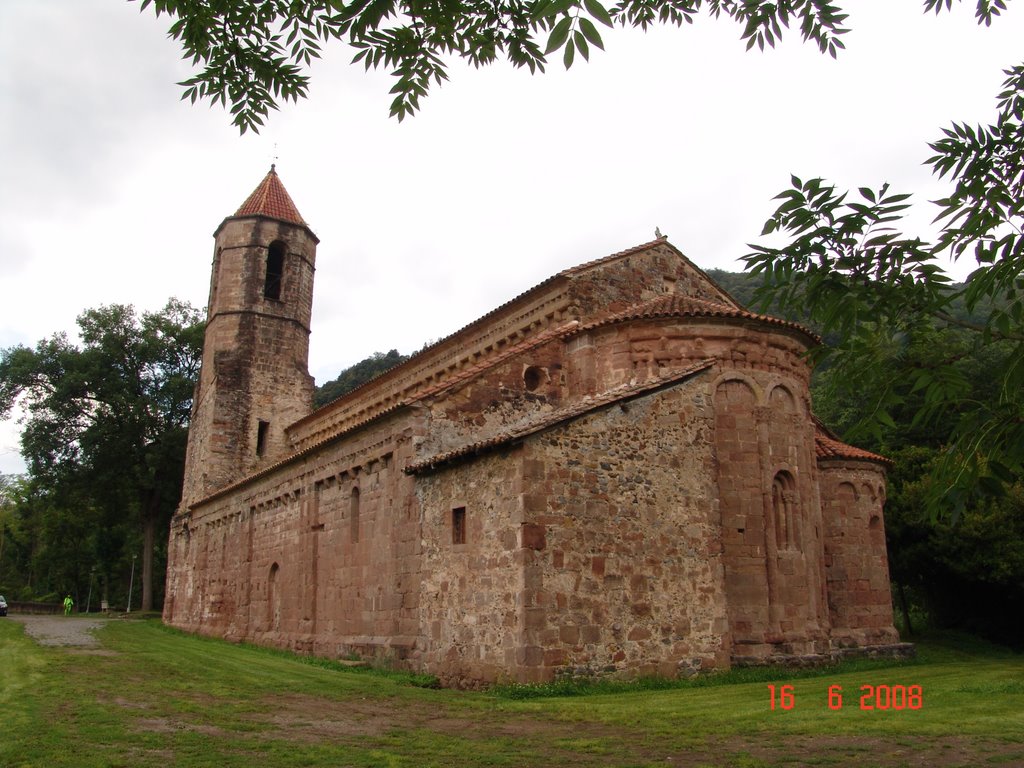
418	354
683	305
568	272
271	199
828	446
611	257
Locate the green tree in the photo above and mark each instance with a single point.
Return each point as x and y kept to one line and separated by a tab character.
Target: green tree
899	328
967	575
105	431
254	54
9	529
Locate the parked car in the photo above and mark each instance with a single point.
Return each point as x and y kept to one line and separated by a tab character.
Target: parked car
3	606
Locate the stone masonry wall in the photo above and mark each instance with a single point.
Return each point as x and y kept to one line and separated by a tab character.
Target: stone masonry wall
472	589
678	527
643	275
621	536
795	550
765	463
524	388
254	355
613	355
771	521
507	326
857	567
320	555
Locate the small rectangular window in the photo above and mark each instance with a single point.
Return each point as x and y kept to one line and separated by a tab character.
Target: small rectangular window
261	437
459	525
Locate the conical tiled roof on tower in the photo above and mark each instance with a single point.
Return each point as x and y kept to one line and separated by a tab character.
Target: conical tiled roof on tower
271	199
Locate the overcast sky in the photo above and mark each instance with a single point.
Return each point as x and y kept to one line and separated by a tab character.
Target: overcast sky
111	187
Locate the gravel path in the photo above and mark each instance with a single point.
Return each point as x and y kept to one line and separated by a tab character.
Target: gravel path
70	631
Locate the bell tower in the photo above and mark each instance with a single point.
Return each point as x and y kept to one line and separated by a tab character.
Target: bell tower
254	380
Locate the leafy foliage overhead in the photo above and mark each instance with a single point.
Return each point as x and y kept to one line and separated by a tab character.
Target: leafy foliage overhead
881	295
255	54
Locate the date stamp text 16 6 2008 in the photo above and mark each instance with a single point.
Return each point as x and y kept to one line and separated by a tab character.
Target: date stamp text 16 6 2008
869	697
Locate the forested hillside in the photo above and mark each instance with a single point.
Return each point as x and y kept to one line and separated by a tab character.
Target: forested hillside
357	375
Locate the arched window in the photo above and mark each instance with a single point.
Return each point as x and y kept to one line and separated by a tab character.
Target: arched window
785	511
275	270
354	515
273	599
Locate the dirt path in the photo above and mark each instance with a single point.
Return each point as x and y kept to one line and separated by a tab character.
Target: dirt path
68	631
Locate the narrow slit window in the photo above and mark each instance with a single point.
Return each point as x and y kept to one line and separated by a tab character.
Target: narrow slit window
354	516
786	511
273	599
261	437
275	271
459	525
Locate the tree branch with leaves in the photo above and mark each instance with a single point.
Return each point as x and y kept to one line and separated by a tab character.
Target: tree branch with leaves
875	292
255	55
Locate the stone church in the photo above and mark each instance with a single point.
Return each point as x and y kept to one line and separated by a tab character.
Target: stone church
614	472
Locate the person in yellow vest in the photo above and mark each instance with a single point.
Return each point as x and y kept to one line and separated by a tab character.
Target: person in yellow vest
68	604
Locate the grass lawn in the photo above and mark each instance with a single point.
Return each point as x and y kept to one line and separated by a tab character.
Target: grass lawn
150	696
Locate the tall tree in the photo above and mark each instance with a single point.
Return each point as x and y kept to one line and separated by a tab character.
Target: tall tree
256	53
881	295
106	421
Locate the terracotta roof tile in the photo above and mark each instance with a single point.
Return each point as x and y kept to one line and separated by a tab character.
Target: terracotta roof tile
827	446
455	381
272	200
469	373
586	405
680	305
